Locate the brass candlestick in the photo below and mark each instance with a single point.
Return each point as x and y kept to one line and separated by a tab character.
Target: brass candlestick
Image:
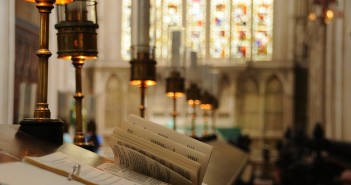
193	96
174	89
193	120
143	71
206	105
41	125
79	138
209	104
77	41
215	106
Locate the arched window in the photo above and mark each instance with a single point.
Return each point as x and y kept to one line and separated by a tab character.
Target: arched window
274	99
165	15
236	30
248	109
113	99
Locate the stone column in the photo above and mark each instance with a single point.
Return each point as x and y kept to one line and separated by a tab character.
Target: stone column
346	75
7	58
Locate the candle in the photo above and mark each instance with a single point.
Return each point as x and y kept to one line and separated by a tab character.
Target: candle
193	60
193	74
215	82
175	48
206	77
140	22
76	11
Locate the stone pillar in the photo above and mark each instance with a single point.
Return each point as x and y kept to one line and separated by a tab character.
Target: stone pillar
346	75
7	58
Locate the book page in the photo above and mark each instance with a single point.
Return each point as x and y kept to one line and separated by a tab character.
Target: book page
18	173
171	164
167	154
129	174
175	136
61	164
138	162
163	142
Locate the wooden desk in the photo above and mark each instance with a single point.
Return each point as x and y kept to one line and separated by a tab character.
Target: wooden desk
225	165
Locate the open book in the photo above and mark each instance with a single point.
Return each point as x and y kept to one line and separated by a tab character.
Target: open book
145	154
158	152
58	169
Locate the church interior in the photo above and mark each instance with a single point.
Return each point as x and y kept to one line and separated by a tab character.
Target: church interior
274	73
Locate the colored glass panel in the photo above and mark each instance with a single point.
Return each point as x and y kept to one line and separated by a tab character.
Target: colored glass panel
219	29
262	30
196	26
241	30
126	30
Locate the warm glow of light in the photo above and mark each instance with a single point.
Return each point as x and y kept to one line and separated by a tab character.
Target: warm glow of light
80	57
206	106
139	82
192	102
328	16
57	1
176	94
64	1
312	16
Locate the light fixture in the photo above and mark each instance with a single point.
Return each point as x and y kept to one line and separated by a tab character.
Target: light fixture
77	41
175	81
143	63
57	1
174	89
323	10
206	105
193	95
215	106
142	71
212	135
42	125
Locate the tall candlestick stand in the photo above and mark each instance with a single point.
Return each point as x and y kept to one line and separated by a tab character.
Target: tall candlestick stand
174	113
78	96
143	71
206	119
42	126
215	106
193	96
206	105
77	41
143	63
174	89
79	138
142	87
193	120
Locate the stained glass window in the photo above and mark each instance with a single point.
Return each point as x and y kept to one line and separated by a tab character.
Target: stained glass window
262	30
126	31
219	30
241	29
167	15
196	26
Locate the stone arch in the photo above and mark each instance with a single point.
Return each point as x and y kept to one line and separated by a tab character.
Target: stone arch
113	102
273	104
247	97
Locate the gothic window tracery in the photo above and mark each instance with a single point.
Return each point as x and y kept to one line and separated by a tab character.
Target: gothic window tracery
248	101
113	97
274	99
239	30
